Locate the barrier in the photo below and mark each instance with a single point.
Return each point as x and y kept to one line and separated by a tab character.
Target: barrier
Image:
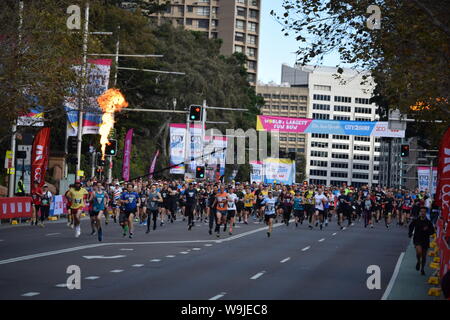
16	207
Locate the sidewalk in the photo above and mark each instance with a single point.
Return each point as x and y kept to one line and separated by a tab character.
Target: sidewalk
410	284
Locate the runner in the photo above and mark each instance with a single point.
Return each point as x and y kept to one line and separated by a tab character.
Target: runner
221	205
190	196
36	196
130	200
211	209
368	207
299	209
249	199
319	201
76	196
46	200
309	203
153	198
232	201
99	200
269	211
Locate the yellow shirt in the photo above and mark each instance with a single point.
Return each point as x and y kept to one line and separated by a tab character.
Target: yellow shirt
77	198
248	199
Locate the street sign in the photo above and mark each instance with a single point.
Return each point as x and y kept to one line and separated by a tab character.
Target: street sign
80	173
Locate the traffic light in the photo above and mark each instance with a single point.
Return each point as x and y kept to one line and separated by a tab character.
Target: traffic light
72	144
195	113
111	148
100	162
200	172
405	150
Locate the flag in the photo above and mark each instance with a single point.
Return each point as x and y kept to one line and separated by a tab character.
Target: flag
152	167
442	197
39	157
127	155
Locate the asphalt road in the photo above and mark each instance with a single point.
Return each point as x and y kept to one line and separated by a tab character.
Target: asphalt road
176	264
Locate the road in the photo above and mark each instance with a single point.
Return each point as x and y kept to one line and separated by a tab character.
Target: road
176	264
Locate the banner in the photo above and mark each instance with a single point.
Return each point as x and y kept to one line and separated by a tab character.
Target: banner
257	174
279	170
443	176
215	154
39	157
57	206
127	155
196	147
153	165
338	127
423	177
177	148
17	207
98	81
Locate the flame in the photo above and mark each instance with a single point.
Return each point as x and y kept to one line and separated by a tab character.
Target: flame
111	101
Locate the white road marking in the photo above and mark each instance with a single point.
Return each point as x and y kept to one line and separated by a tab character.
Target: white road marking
116	271
30	294
103	257
306	248
137	265
61	285
208	245
184	252
126	249
91	278
256	276
393	278
344	228
321	239
334	234
196	249
155	260
1	240
170	256
285	260
218	296
53	234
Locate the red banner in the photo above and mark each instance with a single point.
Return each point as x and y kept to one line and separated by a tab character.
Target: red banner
127	155
39	157
443	175
17	207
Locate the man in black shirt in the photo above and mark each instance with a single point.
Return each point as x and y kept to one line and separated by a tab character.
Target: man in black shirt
191	202
423	229
344	209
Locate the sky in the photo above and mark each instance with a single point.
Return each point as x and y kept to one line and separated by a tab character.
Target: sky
275	48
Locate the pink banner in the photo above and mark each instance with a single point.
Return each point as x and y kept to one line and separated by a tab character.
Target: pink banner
152	167
127	155
282	124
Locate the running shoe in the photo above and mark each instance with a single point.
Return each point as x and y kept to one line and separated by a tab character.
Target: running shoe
296	224
190	227
310	227
245	222
148	231
218	235
422	272
210	232
130	236
77	231
317	224
230	234
321	226
268	234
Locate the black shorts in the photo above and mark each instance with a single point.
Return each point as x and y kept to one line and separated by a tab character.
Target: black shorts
240	206
37	207
299	213
424	245
93	213
321	212
267	217
231	214
249	209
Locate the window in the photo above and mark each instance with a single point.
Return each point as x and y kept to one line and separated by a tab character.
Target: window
342	99
318	163
301	150
301	139
363	110
267	95
203	11
377	149
340	137
363	119
362	101
339	174
340	146
190	9
341	165
283	139
322	87
361	148
339	155
203	24
337	183
251	52
189	22
342	108
285	97
238	48
319	135
276	107
253	14
317	181
252	78
239	36
341	118
317	144
252	26
359	166
214	23
241	1
378	139
251	39
361	157
321	116
321	154
303	98
362	138
376	177
293	108
321	97
318	106
376	168
240	24
321	173
360	176
293	139
376	158
252	65
241	12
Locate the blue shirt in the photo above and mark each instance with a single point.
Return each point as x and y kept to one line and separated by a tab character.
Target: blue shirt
132	197
298	205
269	205
99	201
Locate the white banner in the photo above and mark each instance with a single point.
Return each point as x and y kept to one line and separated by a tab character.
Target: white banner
423	179
177	147
256	175
57	206
279	171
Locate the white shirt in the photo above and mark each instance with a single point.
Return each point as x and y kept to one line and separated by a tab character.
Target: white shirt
232	197
318	198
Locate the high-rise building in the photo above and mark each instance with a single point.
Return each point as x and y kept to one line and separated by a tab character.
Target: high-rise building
236	22
337	159
285	101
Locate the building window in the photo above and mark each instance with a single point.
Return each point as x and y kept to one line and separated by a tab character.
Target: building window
340	137
252	78
362	138
251	52
376	158
285	97
238	48
190	9
318	163
321	116
253	14
363	110
293	139
189	22
320	135
322	87
361	148
252	26
342	99
239	36
359	166
363	119
318	106
321	97
301	150
240	24
241	12
361	157
283	139
203	24
337	183
203	11
342	108
317	181
339	174
320	173
346	118
252	65
376	168
291	150
341	165
340	146
364	176
317	144
362	100
241	1
376	177
251	39
339	155
301	139
321	154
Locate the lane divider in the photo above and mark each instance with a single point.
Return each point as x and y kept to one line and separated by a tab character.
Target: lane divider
387	292
285	260
306	248
116	271
321	239
256	276
30	294
92	278
218	296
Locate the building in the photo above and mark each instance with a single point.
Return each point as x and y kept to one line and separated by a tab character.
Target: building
284	101
336	159
236	22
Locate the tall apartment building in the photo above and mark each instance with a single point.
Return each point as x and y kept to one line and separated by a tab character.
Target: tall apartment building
236	22
335	159
285	101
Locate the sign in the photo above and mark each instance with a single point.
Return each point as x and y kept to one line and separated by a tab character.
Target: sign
177	148
423	175
338	127
279	171
8	160
57	206
257	174
39	156
16	207
80	173
127	155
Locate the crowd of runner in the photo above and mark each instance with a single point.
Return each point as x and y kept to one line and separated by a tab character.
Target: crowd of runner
150	203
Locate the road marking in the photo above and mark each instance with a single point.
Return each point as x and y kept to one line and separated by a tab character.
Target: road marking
30	294
218	296
306	248
344	228
285	260
334	234
196	249
256	276
126	249
91	278
155	260
53	234
137	265
184	252
170	256
61	285
103	257
321	239
116	271
393	278
208	245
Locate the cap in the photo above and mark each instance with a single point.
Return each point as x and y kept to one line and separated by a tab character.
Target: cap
45	185
77	181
